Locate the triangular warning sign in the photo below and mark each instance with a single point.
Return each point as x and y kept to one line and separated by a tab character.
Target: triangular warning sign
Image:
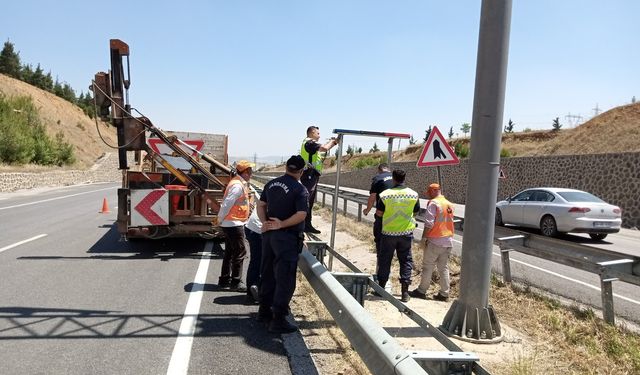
502	175
437	151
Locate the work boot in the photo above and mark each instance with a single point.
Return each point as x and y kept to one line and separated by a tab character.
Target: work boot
237	285
311	229
417	294
280	324
405	293
440	297
224	282
254	291
264	314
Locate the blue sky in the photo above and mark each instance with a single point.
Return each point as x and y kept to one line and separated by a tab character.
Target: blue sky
262	71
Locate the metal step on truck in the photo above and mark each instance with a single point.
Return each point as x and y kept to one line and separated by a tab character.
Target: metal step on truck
172	182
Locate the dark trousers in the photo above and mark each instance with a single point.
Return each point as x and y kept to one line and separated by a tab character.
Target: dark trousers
402	246
234	253
278	271
310	180
377	236
255	256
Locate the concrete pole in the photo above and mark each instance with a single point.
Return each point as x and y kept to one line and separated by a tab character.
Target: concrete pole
471	317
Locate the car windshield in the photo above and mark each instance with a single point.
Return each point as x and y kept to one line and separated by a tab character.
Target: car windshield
579	196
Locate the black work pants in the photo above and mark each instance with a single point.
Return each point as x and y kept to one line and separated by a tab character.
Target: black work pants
235	251
278	272
309	179
377	236
402	246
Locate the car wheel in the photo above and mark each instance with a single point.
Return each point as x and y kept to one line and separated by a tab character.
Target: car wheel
499	217
548	226
598	236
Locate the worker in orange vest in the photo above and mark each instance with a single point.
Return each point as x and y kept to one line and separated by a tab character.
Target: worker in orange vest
234	213
437	245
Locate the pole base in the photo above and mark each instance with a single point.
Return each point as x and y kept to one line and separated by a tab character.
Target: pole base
478	325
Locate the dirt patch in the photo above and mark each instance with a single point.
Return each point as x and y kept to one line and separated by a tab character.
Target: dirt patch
59	115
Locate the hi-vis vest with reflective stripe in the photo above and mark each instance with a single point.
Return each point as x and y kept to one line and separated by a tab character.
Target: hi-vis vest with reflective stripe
240	209
317	158
399	203
443	223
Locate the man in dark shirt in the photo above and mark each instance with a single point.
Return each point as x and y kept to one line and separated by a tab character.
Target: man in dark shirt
282	209
379	183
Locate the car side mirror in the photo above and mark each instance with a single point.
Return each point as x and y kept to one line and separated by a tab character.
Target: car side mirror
509	199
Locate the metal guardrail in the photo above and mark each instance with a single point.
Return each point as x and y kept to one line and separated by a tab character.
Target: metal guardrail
378	350
609	265
453	361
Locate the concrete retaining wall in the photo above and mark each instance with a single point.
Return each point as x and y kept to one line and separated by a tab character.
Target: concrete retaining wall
613	177
105	170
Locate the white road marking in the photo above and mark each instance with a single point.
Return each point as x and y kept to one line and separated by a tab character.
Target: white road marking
564	277
22	242
179	363
54	199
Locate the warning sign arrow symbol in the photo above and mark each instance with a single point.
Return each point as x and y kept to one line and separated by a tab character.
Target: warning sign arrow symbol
145	207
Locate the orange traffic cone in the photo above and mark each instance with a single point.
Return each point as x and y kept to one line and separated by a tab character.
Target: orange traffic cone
105	207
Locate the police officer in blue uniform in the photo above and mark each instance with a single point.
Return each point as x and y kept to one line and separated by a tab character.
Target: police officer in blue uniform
282	209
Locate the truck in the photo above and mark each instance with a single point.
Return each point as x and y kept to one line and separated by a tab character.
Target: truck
172	182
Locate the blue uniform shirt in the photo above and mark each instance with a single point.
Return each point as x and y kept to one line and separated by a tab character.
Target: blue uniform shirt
284	197
379	183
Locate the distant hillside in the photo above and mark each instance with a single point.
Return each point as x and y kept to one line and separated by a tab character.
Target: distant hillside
60	115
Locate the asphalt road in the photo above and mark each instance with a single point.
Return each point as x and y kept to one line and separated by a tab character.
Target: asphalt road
76	299
563	281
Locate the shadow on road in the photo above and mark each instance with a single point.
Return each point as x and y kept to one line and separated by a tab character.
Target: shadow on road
41	323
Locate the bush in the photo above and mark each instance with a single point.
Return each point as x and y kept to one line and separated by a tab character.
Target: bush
504	153
367	162
461	150
23	139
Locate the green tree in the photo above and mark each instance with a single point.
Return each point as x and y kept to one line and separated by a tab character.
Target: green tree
359	150
412	140
556	124
427	133
465	128
10	61
509	127
451	133
349	150
374	148
26	73
37	78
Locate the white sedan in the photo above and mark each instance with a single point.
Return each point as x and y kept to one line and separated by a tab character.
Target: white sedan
557	210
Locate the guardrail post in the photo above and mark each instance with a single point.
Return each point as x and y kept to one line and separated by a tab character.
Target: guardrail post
506	265
344	210
607	299
504	243
324	195
359	211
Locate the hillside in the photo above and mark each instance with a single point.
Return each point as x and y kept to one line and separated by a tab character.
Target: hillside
59	115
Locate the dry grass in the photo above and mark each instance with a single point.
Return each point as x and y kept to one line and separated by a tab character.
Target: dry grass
574	339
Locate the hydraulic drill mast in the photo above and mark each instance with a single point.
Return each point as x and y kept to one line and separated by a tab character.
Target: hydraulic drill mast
198	191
